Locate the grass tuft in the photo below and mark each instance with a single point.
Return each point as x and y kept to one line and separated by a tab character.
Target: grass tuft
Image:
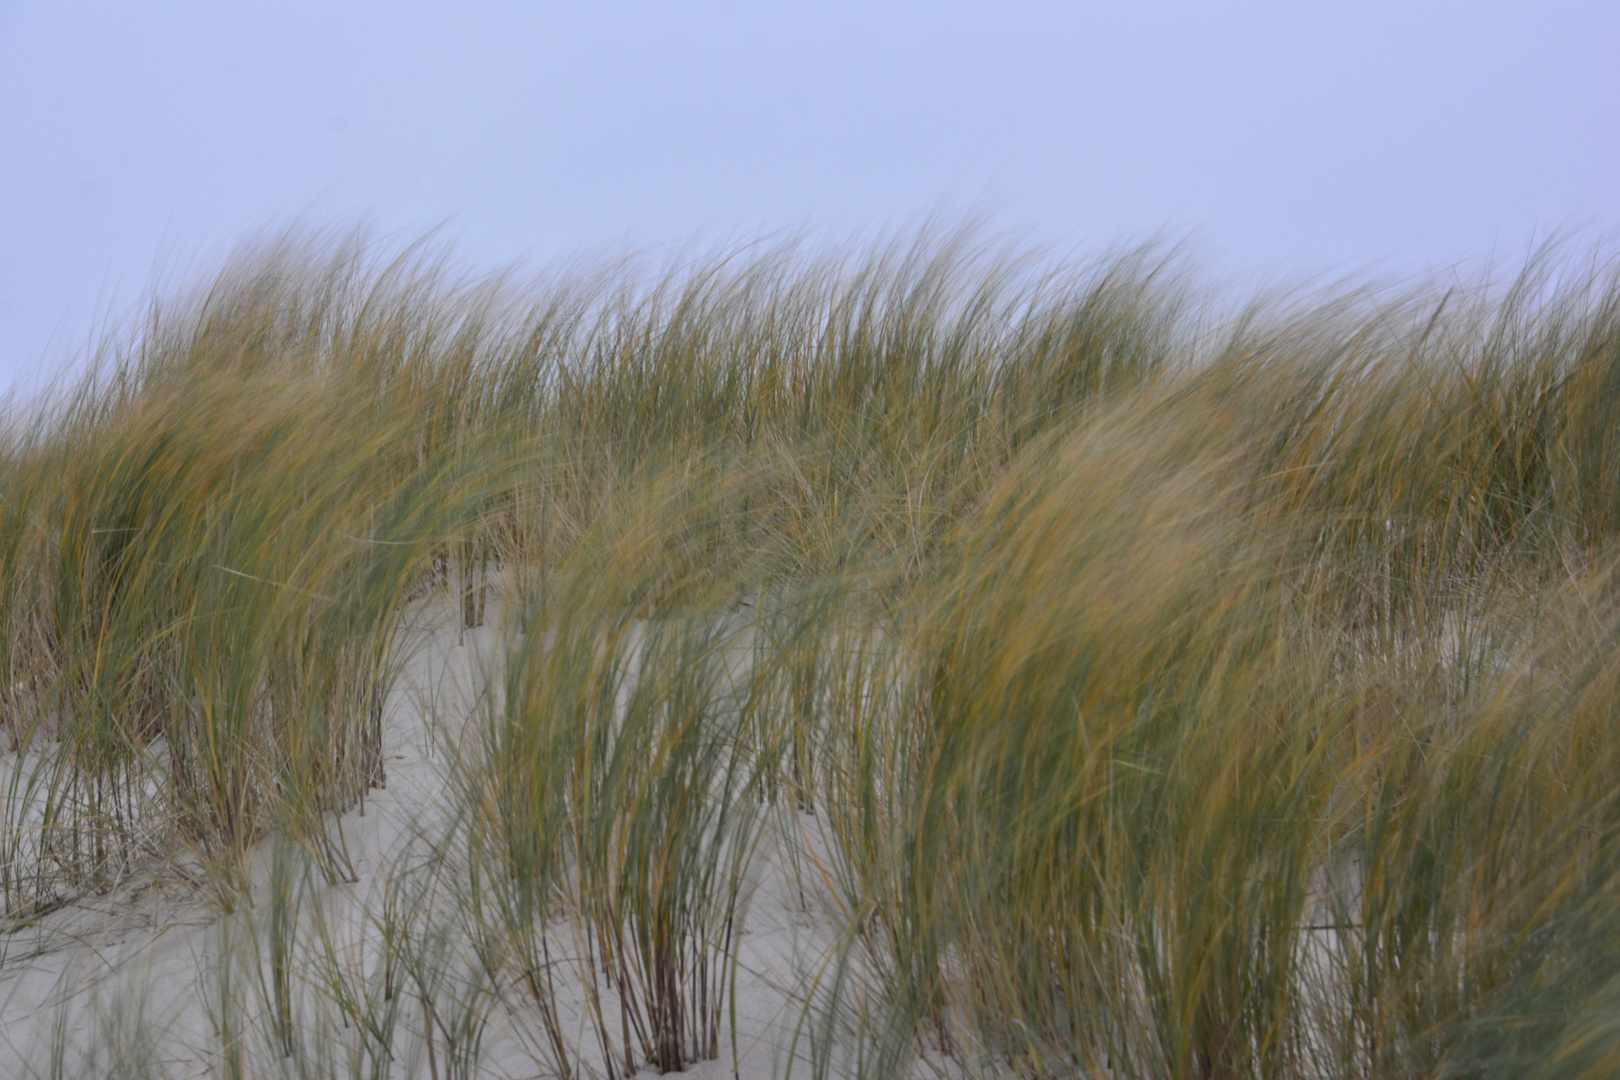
1140	685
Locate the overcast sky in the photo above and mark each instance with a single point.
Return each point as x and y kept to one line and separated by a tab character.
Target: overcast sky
1286	138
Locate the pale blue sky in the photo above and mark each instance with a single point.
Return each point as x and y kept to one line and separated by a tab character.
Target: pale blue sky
1287	138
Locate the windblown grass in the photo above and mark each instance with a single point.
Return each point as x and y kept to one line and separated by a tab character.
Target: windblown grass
1151	687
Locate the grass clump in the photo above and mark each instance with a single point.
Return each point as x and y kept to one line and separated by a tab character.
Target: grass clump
1144	686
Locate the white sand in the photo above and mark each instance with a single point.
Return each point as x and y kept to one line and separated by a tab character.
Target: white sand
137	974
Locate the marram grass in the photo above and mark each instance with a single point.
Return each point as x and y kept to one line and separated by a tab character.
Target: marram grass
1175	689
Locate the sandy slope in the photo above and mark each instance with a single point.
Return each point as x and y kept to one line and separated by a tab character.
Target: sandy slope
99	986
